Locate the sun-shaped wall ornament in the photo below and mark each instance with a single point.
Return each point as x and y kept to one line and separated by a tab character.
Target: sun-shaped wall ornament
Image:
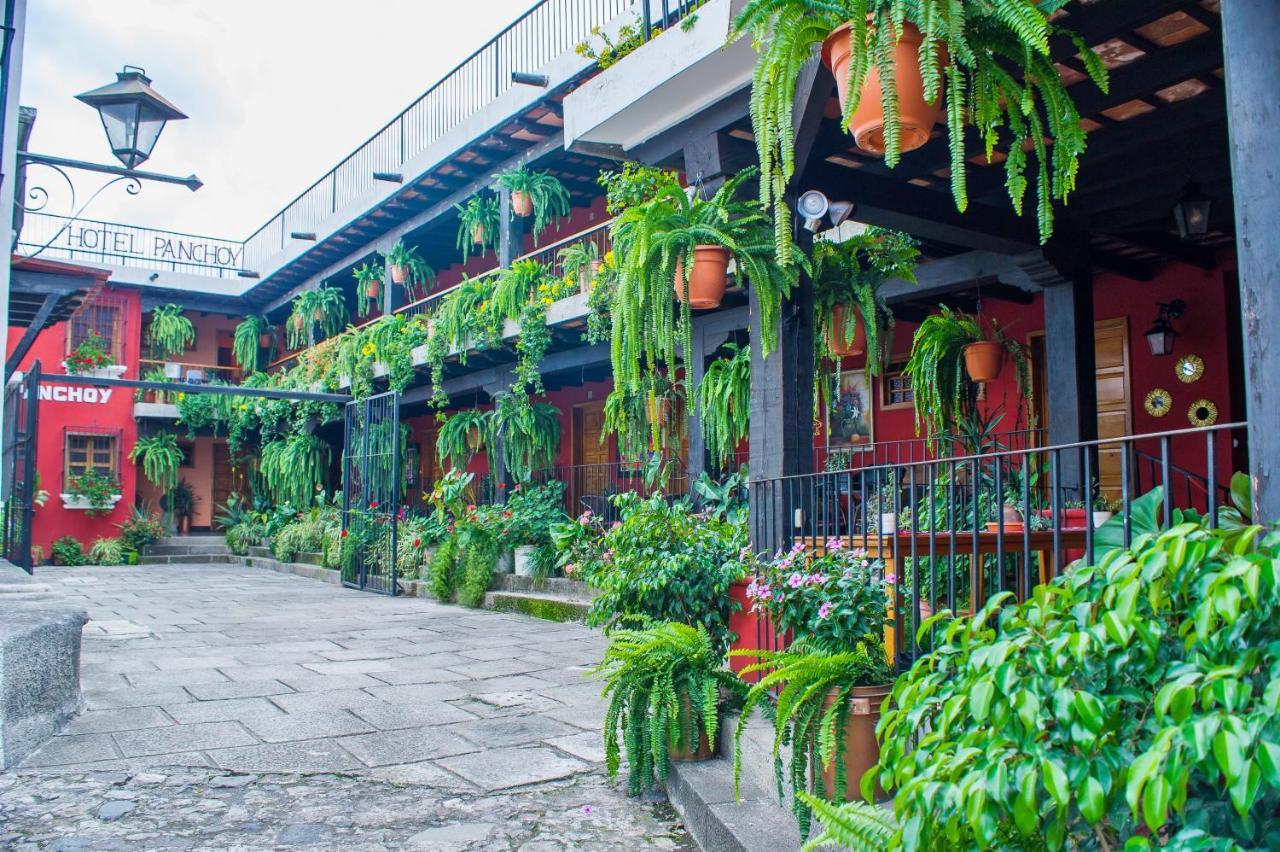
1158	402
1189	368
1202	413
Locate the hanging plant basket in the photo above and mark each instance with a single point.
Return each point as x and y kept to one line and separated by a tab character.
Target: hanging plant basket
372	289
477	234
659	409
521	203
983	360
916	115
836	342
299	321
707	279
861	750
318	314
475	440
399	273
265	339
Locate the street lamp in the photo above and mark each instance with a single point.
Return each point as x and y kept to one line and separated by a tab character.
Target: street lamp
133	114
1161	334
1191	213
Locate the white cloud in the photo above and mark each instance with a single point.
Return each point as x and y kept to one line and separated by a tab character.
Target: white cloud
278	91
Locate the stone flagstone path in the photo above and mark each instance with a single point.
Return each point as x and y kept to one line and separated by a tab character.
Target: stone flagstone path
227	707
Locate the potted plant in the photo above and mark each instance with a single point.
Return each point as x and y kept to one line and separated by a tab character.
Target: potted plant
170	333
323	306
986	65
461	436
530	434
684	242
180	502
91	358
882	507
478	223
663	687
160	457
409	270
835	675
515	288
527	517
723	400
847	305
252	336
368	286
581	261
94	491
951	354
537	194
1104	508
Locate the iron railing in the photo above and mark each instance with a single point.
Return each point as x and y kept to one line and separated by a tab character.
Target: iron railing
194	373
592	487
541	34
88	240
950	532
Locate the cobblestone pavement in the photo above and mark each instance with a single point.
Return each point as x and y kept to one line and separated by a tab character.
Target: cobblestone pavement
234	708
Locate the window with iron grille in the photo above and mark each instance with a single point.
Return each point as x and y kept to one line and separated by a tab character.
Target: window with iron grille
896	389
91	451
103	316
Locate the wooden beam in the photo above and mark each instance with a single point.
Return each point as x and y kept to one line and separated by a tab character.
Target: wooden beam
30	334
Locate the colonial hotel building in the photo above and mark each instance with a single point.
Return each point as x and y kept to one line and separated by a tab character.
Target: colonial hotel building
1131	314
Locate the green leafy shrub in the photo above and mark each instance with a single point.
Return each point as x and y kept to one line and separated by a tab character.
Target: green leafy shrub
304	536
106	551
465	560
242	536
141	529
663	686
1134	703
68	551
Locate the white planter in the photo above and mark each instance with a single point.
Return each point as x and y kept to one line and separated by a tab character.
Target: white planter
74	501
111	371
506	563
524	560
889	523
172	371
1100	518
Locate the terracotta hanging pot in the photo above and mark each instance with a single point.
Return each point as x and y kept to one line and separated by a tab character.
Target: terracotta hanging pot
836	342
474	440
705	750
477	234
983	360
861	751
318	314
659	409
299	321
399	273
521	203
372	289
916	116
265	340
707	279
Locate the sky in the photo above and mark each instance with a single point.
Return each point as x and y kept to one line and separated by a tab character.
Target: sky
277	92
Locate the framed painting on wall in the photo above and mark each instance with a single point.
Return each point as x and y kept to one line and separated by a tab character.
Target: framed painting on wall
849	421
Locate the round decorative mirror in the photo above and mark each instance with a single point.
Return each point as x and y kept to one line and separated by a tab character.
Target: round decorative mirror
1158	402
1202	413
1189	368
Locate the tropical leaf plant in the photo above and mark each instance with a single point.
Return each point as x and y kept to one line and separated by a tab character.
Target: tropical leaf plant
170	332
419	278
369	277
943	392
462	435
651	238
529	434
160	457
479	216
989	60
323	307
663	686
293	468
246	343
549	197
723	400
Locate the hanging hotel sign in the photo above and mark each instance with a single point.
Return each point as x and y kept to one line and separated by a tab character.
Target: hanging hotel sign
74	393
182	249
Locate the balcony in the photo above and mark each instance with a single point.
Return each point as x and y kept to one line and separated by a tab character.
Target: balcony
162	405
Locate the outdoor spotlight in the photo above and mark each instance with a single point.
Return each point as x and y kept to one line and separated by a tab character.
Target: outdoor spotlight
813	205
1192	213
1161	334
132	113
839	211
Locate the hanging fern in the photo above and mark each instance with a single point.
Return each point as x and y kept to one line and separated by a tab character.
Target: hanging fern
968	50
246	344
663	686
546	193
368	277
515	288
529	434
170	333
294	468
462	435
480	216
419	278
323	307
160	457
724	404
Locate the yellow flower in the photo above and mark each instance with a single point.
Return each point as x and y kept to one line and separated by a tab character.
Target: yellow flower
181	396
244	406
367	350
546	300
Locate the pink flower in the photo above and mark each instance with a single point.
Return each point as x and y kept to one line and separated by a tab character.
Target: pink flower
608	556
816	579
890	579
795	581
569	569
824	610
617	524
586	809
835	544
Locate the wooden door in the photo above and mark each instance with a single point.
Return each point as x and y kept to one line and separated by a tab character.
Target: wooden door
589	480
1111	354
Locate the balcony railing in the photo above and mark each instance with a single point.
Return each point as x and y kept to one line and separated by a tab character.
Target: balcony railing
592	487
547	30
951	532
90	241
190	372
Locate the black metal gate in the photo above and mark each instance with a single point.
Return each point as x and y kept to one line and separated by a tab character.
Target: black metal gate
371	493
18	460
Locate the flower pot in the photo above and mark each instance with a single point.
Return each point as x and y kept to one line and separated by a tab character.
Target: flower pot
173	371
399	273
916	116
477	234
705	750
1100	518
505	564
707	279
318	314
299	322
475	441
523	560
521	203
372	289
861	751
265	340
1072	519
888	523
184	525
659	409
983	360
836	341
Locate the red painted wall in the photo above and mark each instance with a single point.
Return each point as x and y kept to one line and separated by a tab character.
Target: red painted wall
58	415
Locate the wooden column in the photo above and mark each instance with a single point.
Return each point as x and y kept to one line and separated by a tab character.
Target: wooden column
1252	56
1070	371
390	298
510	231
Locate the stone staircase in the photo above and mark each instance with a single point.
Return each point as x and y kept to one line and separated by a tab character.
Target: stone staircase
555	598
173	550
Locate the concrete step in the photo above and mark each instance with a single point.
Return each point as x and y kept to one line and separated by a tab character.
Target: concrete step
552	607
260	552
219	547
560	586
194	538
190	559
